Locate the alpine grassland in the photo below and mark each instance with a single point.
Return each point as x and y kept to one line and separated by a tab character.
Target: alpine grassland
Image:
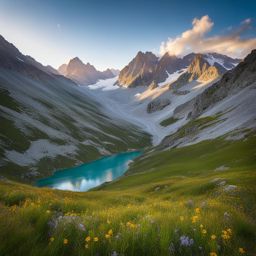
194	200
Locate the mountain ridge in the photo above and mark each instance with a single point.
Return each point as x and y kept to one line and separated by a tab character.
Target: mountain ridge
145	68
84	74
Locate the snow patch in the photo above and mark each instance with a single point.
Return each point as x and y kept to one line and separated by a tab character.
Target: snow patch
211	60
172	77
105	85
130	104
38	150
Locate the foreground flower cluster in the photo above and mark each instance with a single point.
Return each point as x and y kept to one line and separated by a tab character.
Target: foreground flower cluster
150	227
189	234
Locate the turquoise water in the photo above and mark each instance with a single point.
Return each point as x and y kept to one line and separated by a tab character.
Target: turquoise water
89	175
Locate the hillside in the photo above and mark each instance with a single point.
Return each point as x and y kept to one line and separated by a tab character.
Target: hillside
48	122
191	193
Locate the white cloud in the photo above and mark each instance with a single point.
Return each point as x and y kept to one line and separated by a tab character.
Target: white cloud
196	40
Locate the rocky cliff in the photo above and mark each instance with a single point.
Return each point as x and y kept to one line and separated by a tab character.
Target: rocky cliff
140	71
200	70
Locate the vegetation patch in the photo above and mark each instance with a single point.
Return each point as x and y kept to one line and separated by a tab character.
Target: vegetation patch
169	121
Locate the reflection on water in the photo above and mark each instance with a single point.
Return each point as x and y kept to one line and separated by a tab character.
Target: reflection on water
89	175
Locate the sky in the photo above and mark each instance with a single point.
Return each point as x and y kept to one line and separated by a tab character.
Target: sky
109	33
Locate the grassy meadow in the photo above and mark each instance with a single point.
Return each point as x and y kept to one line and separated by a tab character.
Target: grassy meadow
196	200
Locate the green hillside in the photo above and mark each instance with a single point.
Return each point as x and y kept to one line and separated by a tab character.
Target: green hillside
195	200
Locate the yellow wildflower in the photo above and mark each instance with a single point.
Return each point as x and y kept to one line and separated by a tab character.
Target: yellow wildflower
241	250
51	239
88	239
201	226
107	236
65	241
226	234
213	254
225	237
110	232
213	237
48	211
204	231
95	239
181	218
194	219
197	210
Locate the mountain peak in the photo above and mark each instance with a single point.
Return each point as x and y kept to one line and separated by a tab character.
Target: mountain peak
75	60
81	73
139	71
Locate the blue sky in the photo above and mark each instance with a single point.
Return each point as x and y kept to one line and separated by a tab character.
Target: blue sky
110	33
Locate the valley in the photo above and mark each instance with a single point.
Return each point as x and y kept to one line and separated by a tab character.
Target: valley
158	158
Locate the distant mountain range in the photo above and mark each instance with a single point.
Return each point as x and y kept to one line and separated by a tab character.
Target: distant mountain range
84	74
146	68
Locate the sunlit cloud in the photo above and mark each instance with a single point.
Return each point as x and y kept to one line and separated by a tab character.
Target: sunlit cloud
196	40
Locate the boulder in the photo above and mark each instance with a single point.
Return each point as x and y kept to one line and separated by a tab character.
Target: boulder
157	104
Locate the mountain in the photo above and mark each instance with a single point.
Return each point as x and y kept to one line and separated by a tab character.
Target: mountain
11	57
146	67
115	71
83	74
225	108
48	122
140	71
234	81
200	70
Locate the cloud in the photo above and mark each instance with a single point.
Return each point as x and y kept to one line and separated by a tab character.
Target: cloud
196	40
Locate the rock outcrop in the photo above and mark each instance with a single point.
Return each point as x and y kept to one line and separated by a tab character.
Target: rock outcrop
200	70
157	104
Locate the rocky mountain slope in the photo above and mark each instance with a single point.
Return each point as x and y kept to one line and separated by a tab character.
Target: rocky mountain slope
234	81
48	122
84	74
11	57
200	70
162	109
139	71
147	67
225	108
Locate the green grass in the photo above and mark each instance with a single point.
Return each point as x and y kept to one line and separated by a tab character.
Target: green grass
148	210
169	121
